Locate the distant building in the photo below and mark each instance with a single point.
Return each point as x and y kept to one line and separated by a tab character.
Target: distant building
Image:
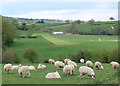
57	33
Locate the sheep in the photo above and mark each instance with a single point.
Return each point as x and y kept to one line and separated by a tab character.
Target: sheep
40	66
68	70
84	70
31	68
66	60
115	65
98	65
59	64
7	68
51	61
16	67
72	63
24	71
89	64
53	75
82	61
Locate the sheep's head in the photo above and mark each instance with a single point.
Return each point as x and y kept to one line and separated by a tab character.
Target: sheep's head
93	75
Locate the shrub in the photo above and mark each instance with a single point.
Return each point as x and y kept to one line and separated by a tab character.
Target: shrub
10	56
30	54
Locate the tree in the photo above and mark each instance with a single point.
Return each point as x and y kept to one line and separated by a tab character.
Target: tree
9	32
111	18
91	21
78	21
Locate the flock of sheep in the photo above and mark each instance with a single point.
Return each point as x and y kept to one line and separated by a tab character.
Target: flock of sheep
68	68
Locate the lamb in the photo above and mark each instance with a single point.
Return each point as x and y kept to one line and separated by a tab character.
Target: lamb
7	68
84	70
98	65
16	67
59	64
31	68
53	75
82	61
68	70
51	61
89	64
24	71
40	66
72	63
115	65
66	60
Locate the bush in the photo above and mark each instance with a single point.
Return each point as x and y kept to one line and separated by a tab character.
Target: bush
31	55
102	56
10	56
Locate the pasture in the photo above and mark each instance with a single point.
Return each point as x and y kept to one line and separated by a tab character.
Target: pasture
38	76
50	46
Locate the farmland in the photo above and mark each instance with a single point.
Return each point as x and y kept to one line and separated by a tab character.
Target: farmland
38	76
59	47
57	44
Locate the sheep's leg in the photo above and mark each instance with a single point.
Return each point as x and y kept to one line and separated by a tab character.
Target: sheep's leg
81	75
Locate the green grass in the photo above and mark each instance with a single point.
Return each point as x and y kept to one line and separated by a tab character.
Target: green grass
86	27
50	46
38	76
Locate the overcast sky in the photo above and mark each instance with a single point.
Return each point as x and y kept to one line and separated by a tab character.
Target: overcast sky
69	9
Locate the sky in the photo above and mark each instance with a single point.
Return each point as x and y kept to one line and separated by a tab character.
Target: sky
61	9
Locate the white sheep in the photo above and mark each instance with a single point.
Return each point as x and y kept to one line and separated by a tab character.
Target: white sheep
16	67
72	63
24	71
41	66
59	64
115	65
51	61
68	70
31	67
89	64
98	65
82	61
7	68
66	60
53	75
84	70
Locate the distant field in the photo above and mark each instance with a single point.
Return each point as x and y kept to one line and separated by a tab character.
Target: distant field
86	27
50	46
38	76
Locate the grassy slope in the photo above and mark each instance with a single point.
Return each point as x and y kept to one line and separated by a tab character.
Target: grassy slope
37	77
83	26
46	49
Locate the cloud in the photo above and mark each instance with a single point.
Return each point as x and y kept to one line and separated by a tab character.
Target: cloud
72	14
101	11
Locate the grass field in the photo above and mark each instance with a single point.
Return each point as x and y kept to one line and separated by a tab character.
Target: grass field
50	46
38	76
86	27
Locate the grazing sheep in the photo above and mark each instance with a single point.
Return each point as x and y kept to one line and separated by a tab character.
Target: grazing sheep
89	64
40	66
66	60
51	61
115	65
7	68
24	71
59	64
31	68
16	67
98	65
82	61
68	70
53	75
72	63
84	70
